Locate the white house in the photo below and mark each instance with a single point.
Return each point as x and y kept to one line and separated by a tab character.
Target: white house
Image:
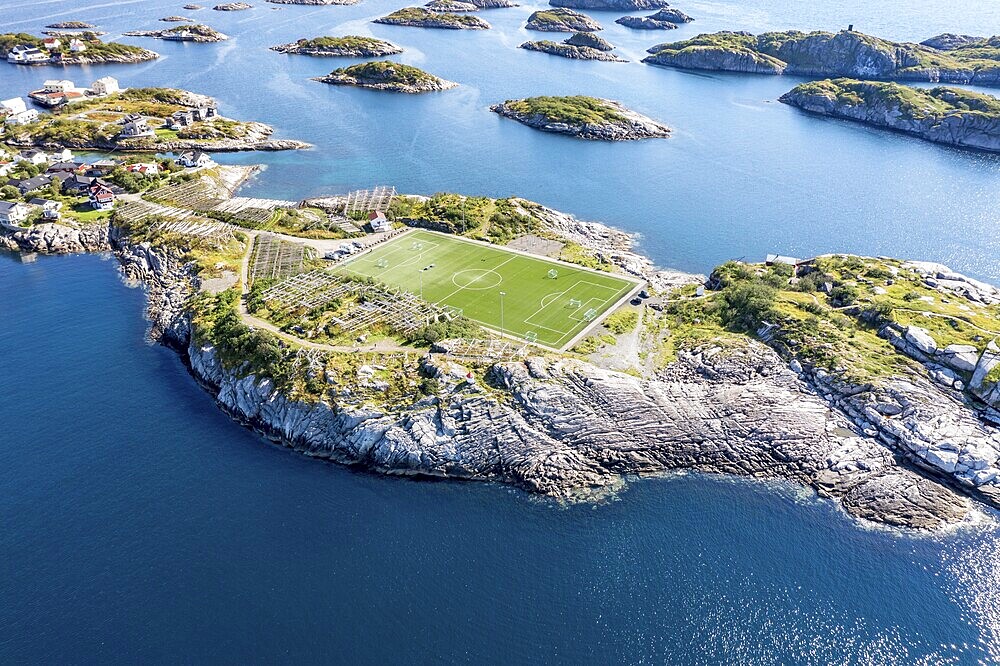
106	85
194	159
378	222
14	106
77	46
58	86
33	156
12	214
27	54
135	126
17	112
64	155
51	43
50	209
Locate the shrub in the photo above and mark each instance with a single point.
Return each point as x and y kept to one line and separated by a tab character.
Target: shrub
748	305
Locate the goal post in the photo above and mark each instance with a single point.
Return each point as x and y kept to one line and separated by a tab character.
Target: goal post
575	303
531	336
590	315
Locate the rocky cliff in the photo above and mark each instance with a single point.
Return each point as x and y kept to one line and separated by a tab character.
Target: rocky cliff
843	54
950	116
906	454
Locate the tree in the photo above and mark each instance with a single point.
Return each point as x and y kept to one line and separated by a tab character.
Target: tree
748	305
9	192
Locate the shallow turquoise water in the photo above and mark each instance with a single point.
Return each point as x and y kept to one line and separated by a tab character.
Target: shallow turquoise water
138	523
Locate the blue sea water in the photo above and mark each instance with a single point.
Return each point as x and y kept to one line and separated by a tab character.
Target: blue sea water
140	524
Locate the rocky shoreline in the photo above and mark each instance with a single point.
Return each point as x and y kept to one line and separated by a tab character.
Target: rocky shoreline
949	116
346	47
421	17
616	124
561	20
581	46
387	76
187	33
563	427
844	54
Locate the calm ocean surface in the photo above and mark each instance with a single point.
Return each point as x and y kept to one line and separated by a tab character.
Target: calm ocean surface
140	524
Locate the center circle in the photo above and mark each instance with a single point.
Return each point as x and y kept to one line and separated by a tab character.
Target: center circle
477	279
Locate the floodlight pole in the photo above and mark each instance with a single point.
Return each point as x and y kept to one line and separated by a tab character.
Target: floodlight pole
421	273
502	294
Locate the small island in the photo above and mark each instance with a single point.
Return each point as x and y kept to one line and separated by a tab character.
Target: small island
350	46
844	54
193	8
611	5
145	120
582	117
71	25
232	7
176	19
183	33
493	4
451	6
665	19
561	20
385	75
581	46
950	116
314	2
24	49
421	17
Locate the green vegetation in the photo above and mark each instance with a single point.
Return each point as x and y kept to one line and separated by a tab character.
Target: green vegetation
917	103
573	110
470	277
349	43
622	321
562	20
420	15
96	122
385	71
838	54
96	49
836	331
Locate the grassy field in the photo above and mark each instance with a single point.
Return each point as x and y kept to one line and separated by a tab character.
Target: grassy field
471	276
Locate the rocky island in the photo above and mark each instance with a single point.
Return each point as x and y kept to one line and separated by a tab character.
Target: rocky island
874	382
420	17
581	46
350	46
451	6
71	25
583	117
561	20
665	19
146	120
951	116
844	54
233	7
385	75
183	33
610	5
314	2
24	49
176	19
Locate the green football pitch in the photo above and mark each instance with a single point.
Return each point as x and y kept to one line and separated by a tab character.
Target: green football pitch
525	296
